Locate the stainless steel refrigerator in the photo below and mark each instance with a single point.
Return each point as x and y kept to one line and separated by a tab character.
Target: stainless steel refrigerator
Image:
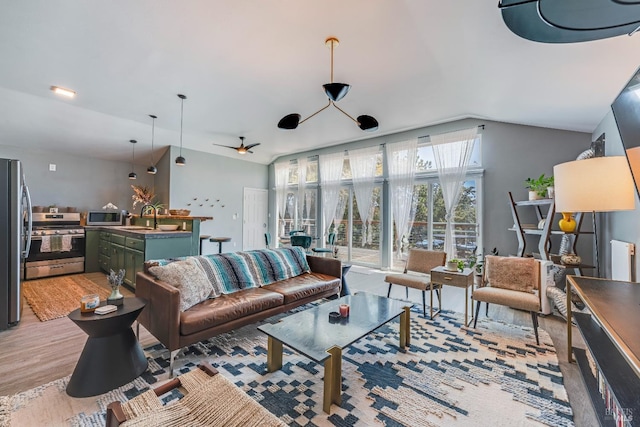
15	239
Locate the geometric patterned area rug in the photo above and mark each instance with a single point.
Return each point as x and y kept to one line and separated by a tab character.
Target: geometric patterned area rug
451	375
56	297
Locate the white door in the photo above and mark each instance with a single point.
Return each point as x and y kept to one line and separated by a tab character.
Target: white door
254	218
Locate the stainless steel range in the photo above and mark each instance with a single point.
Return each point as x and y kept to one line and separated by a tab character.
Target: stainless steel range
57	245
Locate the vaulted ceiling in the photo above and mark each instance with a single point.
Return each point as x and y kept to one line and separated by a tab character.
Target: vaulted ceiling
244	64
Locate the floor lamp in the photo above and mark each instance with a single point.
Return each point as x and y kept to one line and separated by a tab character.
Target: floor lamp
599	184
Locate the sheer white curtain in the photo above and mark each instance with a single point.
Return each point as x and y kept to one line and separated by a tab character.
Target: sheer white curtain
330	168
401	160
282	176
452	152
302	191
363	163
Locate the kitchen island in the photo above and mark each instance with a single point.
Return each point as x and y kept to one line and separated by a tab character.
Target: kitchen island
128	247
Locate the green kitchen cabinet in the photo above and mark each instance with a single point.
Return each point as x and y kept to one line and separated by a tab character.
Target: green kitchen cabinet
104	250
116	261
129	249
133	262
92	251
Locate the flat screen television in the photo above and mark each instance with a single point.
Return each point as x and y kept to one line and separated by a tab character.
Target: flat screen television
626	111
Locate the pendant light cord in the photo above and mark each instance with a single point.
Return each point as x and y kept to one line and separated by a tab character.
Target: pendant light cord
332	44
181	119
153	133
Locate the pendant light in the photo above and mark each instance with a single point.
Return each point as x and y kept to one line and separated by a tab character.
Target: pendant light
132	174
335	92
152	169
180	161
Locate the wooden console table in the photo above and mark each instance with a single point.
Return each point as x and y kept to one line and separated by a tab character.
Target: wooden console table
611	335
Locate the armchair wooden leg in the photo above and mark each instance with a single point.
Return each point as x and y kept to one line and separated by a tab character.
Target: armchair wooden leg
389	291
534	318
424	304
439	298
406	292
475	318
486	310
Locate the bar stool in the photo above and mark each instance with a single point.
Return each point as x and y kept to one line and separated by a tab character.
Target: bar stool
220	240
202	239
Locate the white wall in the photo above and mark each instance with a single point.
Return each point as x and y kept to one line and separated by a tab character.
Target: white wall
89	183
82	182
219	179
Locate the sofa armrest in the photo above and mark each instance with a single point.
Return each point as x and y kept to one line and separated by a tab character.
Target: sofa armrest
328	266
161	315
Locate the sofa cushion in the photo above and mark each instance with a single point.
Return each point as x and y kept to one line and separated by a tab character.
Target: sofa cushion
189	278
303	286
273	265
225	308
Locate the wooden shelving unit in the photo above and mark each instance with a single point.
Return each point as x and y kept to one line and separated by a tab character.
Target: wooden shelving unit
544	209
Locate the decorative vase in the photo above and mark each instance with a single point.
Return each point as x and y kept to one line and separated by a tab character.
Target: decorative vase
452	265
116	298
570	259
533	195
551	192
567	223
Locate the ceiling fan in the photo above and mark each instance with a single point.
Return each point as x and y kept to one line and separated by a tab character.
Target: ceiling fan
242	149
335	92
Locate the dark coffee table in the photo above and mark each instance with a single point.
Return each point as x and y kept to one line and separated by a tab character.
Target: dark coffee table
111	356
310	333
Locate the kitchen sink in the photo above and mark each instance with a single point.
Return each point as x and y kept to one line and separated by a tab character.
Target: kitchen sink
135	227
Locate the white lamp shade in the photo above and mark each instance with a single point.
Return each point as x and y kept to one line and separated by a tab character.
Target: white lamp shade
600	184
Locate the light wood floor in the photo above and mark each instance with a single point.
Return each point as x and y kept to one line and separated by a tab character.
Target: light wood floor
34	353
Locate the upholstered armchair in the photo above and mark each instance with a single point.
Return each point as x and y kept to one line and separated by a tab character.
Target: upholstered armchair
510	281
417	273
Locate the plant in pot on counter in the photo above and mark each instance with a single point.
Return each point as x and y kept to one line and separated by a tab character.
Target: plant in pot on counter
145	195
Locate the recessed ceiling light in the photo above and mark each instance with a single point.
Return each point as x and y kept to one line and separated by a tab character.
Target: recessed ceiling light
62	91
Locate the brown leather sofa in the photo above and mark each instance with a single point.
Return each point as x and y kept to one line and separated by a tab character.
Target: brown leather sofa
175	329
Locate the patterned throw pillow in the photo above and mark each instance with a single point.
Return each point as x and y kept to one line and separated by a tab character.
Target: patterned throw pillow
189	278
517	274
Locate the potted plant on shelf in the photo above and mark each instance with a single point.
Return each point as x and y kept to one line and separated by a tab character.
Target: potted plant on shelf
538	187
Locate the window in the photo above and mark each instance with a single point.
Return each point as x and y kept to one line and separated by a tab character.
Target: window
312	171
426	162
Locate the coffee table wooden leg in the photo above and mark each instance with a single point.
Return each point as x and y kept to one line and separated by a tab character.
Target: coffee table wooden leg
332	379
274	355
405	328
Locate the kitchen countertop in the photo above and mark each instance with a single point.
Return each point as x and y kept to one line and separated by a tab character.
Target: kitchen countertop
201	218
139	232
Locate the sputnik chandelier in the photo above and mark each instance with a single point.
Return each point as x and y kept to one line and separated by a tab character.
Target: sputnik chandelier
335	92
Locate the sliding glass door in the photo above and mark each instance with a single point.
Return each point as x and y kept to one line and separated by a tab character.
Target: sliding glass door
359	241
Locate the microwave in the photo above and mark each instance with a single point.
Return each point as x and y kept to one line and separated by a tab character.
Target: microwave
105	217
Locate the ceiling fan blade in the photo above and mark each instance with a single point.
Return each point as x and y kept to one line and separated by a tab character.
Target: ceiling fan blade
227	146
251	146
